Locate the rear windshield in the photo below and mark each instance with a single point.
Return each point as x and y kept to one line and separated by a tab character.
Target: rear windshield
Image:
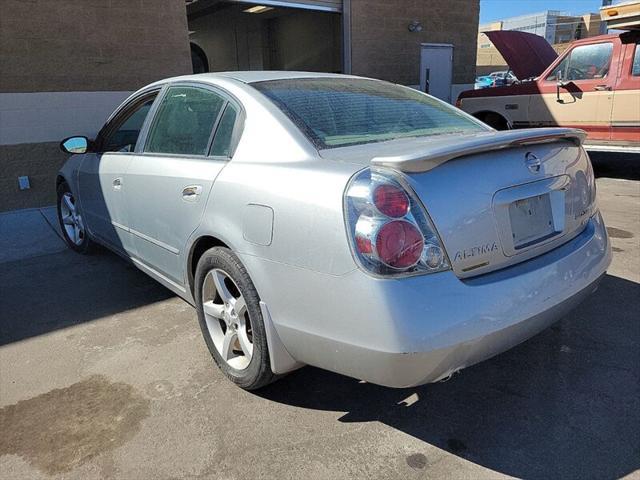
336	112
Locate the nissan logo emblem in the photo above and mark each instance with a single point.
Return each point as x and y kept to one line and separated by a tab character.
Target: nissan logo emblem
532	162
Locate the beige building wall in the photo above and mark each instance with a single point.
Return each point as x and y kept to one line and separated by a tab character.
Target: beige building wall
383	47
489	59
590	25
64	66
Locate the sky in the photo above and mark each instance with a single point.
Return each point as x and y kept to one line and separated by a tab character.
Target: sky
491	10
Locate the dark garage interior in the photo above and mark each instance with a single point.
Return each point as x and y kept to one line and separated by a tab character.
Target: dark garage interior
231	36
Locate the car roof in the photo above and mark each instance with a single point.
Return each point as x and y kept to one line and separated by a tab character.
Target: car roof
257	76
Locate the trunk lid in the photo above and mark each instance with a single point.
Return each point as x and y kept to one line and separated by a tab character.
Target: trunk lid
496	198
499	208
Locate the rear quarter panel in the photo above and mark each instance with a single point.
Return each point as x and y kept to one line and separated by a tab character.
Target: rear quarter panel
305	200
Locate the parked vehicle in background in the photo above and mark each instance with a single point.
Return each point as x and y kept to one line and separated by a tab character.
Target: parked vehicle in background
484	81
500	79
341	222
495	79
594	86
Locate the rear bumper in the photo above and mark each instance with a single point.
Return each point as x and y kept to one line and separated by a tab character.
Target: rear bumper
406	332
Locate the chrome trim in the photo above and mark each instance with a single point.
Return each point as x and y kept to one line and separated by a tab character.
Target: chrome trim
154	241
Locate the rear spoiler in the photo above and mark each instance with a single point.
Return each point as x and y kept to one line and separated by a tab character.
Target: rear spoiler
442	150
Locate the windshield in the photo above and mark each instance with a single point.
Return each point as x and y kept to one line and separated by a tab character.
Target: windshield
336	112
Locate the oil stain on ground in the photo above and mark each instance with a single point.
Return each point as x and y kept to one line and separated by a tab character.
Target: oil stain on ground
618	233
417	461
63	428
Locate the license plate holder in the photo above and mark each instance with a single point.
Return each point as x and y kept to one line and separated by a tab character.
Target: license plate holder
531	220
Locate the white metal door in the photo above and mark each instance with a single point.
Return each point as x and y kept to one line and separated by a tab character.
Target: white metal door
436	70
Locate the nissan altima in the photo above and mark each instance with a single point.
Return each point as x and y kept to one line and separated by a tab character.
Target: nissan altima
347	223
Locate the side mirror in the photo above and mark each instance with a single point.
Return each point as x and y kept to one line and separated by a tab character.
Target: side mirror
560	84
75	145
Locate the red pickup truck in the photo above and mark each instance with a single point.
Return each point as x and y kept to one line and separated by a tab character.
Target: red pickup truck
594	85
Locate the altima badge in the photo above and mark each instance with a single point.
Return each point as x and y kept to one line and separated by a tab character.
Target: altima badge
532	162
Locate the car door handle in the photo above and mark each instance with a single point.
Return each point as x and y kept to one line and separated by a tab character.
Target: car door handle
117	184
191	192
602	88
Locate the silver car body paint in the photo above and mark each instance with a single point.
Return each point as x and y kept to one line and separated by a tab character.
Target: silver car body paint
319	306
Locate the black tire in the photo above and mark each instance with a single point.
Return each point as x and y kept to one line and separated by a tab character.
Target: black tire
258	373
495	121
86	245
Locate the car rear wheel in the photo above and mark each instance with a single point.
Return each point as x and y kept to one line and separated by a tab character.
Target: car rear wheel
71	221
231	319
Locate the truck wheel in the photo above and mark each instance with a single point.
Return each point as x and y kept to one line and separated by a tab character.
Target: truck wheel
495	121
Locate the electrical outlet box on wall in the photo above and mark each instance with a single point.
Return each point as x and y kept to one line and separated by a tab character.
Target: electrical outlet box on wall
23	183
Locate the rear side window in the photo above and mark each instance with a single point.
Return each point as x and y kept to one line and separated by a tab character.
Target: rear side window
224	133
635	69
587	62
184	122
336	112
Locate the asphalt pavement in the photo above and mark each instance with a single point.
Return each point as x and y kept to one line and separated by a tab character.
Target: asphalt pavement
103	374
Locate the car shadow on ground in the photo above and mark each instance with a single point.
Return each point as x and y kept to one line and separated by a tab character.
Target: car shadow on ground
46	293
616	165
565	404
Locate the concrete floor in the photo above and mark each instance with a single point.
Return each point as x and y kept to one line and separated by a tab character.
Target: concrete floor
103	374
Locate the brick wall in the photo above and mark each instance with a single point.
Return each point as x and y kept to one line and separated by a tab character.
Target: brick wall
91	45
383	47
74	50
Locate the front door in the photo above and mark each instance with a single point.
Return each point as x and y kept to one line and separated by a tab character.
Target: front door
585	98
101	175
625	119
168	182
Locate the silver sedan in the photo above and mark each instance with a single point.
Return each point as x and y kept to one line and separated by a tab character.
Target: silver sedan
347	223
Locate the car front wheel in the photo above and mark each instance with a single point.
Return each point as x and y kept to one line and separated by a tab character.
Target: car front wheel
71	221
231	320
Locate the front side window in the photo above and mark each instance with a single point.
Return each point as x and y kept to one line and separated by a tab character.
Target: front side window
184	122
124	138
336	112
587	62
635	69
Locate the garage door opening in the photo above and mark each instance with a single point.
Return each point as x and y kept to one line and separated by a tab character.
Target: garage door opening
242	36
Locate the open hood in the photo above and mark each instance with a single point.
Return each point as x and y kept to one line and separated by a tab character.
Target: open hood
527	55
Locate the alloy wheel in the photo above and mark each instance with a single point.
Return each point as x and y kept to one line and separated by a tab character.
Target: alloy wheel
71	219
227	319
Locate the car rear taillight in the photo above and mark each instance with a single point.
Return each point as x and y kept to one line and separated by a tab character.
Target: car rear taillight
391	200
399	244
389	230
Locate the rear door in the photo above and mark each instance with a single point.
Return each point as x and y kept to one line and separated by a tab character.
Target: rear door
187	144
588	73
101	176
